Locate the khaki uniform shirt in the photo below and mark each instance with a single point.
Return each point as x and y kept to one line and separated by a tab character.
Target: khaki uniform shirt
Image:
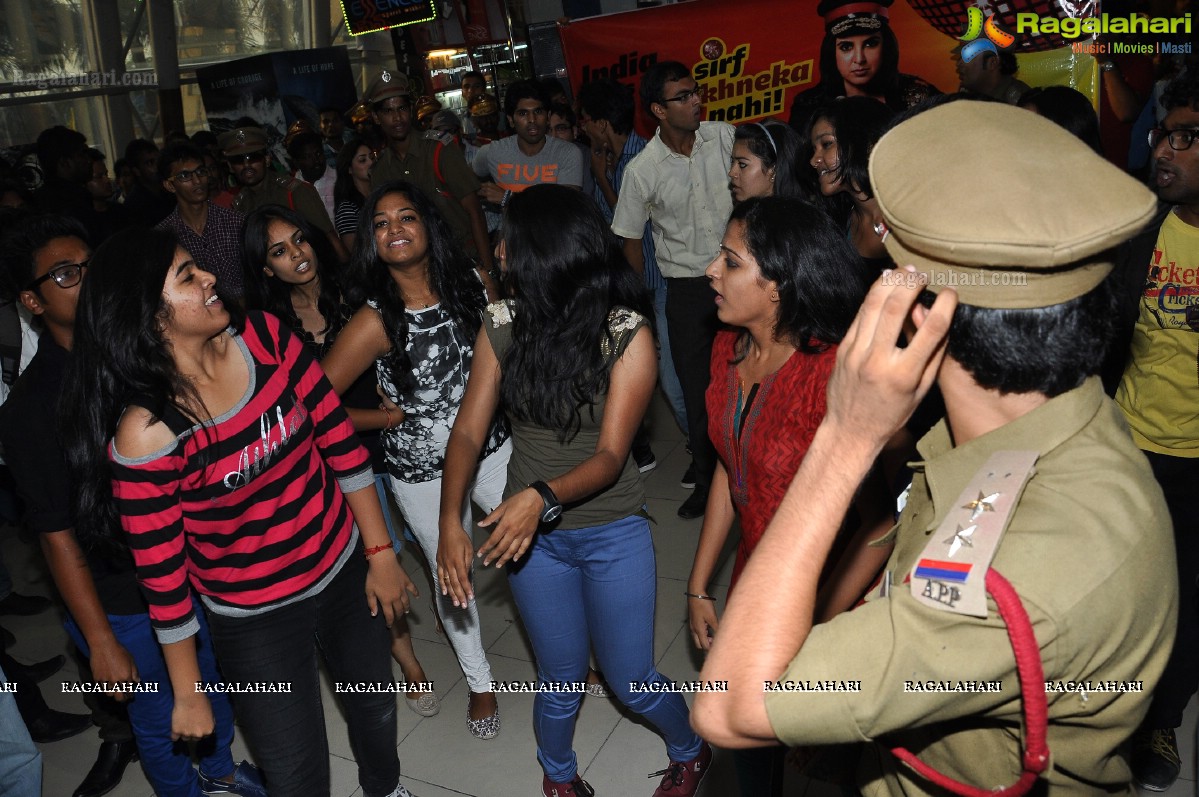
686	199
416	167
290	192
1090	552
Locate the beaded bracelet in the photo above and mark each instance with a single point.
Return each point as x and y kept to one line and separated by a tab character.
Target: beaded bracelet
372	551
701	597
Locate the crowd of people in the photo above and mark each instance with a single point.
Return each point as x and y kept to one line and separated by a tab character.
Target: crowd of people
939	414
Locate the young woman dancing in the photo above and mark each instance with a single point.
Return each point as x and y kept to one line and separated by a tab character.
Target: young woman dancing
284	274
236	473
417	334
570	360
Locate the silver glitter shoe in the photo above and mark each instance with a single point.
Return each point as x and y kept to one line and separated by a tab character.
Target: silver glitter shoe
486	728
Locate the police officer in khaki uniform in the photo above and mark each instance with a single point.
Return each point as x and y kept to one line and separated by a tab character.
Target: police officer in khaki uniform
245	149
439	171
1032	475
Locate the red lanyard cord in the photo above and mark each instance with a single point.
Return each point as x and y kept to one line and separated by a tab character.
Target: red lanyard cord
1035	707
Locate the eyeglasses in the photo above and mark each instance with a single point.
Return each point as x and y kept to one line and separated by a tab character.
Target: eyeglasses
683	96
187	175
240	160
1179	139
67	275
560	128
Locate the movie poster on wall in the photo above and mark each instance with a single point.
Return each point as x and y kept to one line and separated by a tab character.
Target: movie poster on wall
751	59
277	90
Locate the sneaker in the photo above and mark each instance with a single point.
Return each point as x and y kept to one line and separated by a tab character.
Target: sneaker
247	782
688	480
647	462
682	778
576	788
694	506
1155	760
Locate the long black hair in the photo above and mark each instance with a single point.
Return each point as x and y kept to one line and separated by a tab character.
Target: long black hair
821	282
272	294
119	357
566	273
451	275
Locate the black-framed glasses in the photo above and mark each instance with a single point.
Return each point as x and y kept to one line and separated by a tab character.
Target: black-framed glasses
187	175
1179	139
67	275
562	128
683	96
250	157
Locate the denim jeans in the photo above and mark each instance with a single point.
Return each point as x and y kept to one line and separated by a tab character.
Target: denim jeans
666	373
168	764
286	731
20	761
595	588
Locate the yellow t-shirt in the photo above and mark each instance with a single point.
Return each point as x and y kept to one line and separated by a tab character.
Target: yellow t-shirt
1159	392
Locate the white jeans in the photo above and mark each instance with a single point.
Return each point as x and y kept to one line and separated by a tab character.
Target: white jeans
421	506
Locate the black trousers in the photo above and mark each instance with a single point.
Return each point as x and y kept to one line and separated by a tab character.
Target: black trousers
1178	477
692	324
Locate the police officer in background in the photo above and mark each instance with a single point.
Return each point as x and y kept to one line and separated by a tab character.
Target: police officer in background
1032	475
245	150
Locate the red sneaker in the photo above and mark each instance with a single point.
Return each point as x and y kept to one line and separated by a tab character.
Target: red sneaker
682	778
576	788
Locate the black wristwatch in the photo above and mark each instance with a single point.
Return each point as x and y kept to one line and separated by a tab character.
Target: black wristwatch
552	507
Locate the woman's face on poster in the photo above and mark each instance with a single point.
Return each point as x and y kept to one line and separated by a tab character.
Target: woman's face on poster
858	58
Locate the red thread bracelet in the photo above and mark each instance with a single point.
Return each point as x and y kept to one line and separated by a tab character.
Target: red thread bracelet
372	551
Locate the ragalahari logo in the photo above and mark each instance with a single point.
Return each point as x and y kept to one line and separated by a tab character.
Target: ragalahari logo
993	38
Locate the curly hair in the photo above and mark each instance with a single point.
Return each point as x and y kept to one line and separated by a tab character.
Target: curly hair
452	276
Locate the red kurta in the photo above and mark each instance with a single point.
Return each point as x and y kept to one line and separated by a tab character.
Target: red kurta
788	408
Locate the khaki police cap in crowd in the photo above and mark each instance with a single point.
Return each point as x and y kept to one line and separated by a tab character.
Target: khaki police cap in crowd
386	83
1002	205
242	141
484	105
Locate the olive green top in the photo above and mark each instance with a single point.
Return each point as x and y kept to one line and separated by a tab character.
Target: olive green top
1090	552
539	455
290	192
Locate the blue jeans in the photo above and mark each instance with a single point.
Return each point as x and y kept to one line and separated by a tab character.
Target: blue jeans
167	764
286	731
594	587
20	761
666	373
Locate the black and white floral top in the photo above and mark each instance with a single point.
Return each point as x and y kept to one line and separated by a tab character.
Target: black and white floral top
440	355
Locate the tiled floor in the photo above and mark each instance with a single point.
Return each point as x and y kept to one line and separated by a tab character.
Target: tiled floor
616	751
